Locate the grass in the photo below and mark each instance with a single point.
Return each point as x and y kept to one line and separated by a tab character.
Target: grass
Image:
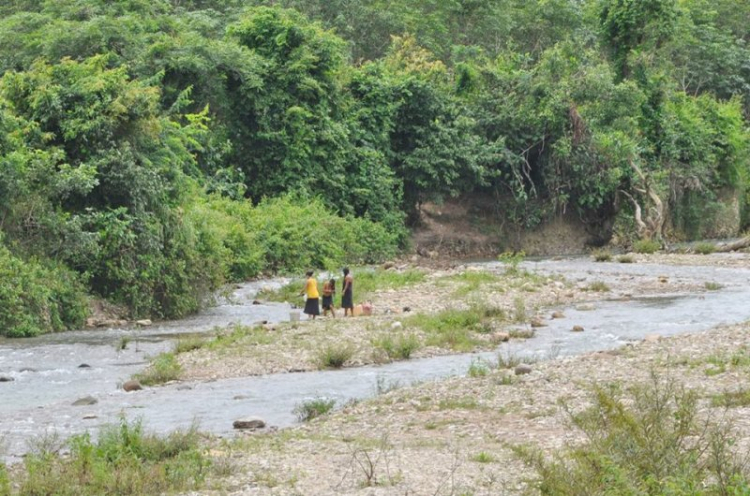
519	309
713	286
601	255
704	248
188	344
124	460
649	440
647	246
478	368
626	259
465	403
598	286
471	281
732	399
241	334
366	282
521	333
308	410
507	361
482	457
453	328
399	347
122	343
163	368
335	355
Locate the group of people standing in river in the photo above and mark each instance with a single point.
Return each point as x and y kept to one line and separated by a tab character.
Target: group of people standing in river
312	304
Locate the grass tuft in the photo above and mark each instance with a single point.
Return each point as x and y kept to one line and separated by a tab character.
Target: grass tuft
398	347
478	368
163	368
626	259
602	255
308	410
482	457
704	248
335	355
647	246
598	286
713	286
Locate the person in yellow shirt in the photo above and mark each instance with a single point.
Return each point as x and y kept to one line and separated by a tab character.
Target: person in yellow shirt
312	308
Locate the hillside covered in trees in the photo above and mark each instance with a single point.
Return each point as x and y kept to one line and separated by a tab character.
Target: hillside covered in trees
153	150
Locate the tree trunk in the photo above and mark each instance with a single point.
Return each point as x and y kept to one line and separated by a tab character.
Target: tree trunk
733	246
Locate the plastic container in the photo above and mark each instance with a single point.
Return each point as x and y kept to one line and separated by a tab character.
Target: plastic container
294	316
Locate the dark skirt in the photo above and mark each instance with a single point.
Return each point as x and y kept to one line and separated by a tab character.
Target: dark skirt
327	302
312	307
347	301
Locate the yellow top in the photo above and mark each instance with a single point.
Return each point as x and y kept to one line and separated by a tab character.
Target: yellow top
312	288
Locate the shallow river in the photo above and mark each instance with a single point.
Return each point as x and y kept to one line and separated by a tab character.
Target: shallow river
47	377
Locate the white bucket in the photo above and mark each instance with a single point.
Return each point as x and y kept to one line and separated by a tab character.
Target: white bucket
294	316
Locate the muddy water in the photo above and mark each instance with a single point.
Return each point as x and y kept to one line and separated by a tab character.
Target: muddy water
48	377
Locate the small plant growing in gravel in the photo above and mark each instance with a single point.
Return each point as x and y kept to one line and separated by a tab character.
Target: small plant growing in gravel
626	259
521	333
185	345
482	457
399	347
647	246
163	368
335	355
122	343
705	248
506	380
598	286
601	255
308	410
519	309
507	361
713	286
478	368
512	260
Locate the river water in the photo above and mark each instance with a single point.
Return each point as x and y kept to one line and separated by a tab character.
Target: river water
48	377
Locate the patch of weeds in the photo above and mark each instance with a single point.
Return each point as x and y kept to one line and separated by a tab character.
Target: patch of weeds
398	347
465	403
188	344
482	457
383	386
240	334
626	259
733	399
598	286
647	246
507	361
521	333
310	409
471	281
651	440
506	380
449	328
335	355
478	368
704	248
124	461
519	309
602	255
512	260
122	343
713	286
163	368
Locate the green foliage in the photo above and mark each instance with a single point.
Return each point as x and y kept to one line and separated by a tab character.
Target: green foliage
124	460
163	368
651	442
478	368
312	409
647	246
704	248
335	355
602	255
598	286
399	347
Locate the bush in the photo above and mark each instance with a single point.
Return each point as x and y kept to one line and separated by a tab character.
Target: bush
335	355
401	347
646	246
705	248
123	461
163	368
311	409
650	442
602	256
626	259
35	299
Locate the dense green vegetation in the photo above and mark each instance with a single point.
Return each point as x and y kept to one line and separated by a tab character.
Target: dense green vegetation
151	151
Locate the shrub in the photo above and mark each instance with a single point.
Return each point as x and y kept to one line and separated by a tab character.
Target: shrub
35	299
626	259
705	248
163	368
650	442
646	246
399	347
124	460
602	255
314	408
335	355
713	286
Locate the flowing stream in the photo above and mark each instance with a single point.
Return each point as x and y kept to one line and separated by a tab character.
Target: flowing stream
47	376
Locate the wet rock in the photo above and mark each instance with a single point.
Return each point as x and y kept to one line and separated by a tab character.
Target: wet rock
85	401
249	423
90	417
6	379
143	322
500	337
396	326
184	387
241	397
558	315
132	386
537	322
407	309
652	338
84	366
523	369
585	307
257	302
27	369
577	328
